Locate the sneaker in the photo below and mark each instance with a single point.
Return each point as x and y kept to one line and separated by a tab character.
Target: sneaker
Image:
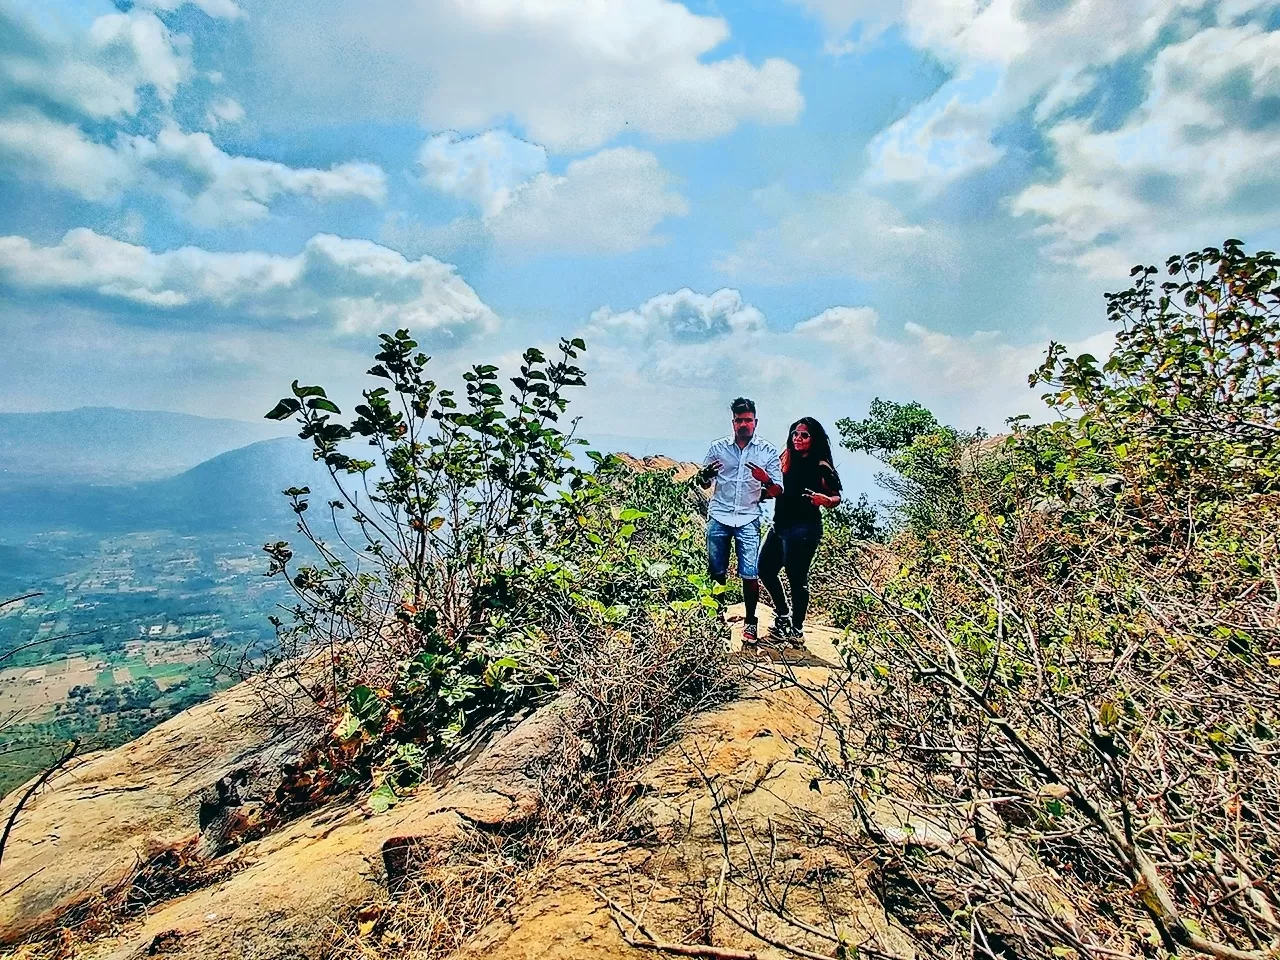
795	636
749	631
780	629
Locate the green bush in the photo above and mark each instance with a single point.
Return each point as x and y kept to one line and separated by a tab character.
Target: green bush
1188	403
466	560
1073	648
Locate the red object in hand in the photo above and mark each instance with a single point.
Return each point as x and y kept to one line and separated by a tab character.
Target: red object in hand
760	474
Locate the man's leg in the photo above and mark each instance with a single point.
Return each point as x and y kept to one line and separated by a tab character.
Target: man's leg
747	541
718	537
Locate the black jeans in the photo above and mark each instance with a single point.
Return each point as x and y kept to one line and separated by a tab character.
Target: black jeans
791	549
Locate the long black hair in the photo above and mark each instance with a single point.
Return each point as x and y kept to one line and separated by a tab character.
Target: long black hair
819	444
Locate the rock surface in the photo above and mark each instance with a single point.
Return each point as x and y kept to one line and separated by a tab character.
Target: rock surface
732	791
109	812
117	811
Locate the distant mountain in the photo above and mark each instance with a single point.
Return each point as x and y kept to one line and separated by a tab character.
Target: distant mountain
238	490
99	445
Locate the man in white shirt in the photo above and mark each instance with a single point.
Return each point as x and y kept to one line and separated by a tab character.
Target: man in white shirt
746	472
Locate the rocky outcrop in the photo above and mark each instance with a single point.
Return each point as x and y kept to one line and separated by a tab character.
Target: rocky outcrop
731	810
145	811
107	814
680	470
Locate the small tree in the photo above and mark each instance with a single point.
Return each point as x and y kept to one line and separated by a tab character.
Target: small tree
406	599
926	457
889	427
1189	400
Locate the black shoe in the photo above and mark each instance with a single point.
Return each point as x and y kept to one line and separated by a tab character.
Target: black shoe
781	628
795	636
749	633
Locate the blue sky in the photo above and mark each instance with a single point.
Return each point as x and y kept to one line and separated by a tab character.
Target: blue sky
813	202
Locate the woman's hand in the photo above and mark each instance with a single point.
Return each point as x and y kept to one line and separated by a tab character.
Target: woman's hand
821	499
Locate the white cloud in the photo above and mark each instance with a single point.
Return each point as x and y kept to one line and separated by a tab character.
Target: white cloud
1005	56
703	349
1198	161
1190	164
214	187
935	145
97	74
572	73
223	111
35	148
484	169
682	317
609	202
352	286
202	182
849	233
840	325
54	91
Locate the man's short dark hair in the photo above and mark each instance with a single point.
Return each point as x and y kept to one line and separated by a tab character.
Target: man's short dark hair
742	405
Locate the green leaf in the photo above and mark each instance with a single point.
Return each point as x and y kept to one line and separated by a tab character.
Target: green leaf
321	403
631	514
284	409
347	727
384	798
364	703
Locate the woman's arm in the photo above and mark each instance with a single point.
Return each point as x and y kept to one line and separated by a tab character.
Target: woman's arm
830	497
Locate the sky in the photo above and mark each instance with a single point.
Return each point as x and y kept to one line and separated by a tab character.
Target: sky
809	202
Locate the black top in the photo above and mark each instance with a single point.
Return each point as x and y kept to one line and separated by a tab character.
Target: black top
805	473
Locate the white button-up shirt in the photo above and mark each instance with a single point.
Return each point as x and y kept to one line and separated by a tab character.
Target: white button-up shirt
737	497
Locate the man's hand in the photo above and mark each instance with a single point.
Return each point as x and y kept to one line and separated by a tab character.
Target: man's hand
708	473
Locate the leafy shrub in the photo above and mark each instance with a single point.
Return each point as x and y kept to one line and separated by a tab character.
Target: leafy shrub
401	628
1188	403
1081	665
471	568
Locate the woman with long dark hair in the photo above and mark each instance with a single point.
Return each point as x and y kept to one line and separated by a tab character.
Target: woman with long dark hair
809	483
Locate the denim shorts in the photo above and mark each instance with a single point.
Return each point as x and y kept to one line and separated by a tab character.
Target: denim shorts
748	545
